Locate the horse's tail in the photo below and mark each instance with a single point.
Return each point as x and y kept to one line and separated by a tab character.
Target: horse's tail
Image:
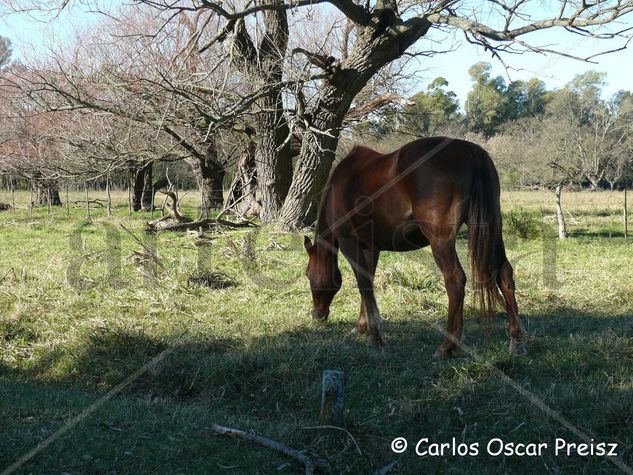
485	241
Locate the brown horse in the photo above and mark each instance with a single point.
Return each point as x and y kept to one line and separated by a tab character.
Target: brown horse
416	196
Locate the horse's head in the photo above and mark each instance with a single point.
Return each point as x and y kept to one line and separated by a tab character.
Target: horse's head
324	276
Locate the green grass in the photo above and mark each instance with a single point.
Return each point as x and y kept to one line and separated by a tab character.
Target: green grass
247	355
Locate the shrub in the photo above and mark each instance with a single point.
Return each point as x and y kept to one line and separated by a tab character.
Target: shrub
522	224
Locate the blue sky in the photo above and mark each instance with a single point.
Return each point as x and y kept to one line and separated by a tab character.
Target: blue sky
27	33
554	70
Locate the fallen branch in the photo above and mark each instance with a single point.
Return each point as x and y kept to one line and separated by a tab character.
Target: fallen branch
92	202
196	225
310	463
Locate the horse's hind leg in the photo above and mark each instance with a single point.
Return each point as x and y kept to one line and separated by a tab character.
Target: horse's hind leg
455	282
505	281
364	266
372	262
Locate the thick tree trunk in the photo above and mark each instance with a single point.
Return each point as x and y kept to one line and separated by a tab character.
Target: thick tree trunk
147	192
242	197
46	193
211	190
562	230
263	65
209	173
318	151
141	184
274	166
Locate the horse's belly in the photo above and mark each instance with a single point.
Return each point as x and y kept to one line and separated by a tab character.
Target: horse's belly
406	237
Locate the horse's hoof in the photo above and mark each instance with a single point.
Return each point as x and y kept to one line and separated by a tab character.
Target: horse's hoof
357	331
517	348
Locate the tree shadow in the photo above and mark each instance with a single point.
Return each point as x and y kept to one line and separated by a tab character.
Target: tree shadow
578	364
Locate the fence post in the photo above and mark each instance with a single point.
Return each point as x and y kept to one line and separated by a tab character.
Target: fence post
13	193
87	201
626	218
129	199
109	195
332	400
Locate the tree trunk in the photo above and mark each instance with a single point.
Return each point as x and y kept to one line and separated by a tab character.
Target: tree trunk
141	185
147	193
318	151
274	166
46	193
209	173
242	197
263	65
562	230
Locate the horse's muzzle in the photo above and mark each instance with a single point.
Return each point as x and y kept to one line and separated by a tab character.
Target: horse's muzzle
319	314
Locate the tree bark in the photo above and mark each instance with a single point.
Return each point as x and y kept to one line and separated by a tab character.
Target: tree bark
312	170
242	197
141	184
263	65
209	173
274	166
45	191
562	230
147	193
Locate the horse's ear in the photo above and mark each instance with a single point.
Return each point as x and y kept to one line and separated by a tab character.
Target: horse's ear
307	243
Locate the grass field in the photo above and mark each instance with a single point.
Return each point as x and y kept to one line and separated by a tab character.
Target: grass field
79	314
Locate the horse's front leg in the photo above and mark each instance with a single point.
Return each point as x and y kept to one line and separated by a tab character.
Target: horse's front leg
364	263
361	325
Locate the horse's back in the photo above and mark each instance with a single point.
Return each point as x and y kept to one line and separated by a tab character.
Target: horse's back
398	193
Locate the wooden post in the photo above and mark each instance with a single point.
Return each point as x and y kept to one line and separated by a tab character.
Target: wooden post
87	202
31	201
109	195
13	193
626	218
48	200
67	202
562	230
152	203
332	400
129	199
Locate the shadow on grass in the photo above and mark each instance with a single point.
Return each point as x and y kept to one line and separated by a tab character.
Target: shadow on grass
579	364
